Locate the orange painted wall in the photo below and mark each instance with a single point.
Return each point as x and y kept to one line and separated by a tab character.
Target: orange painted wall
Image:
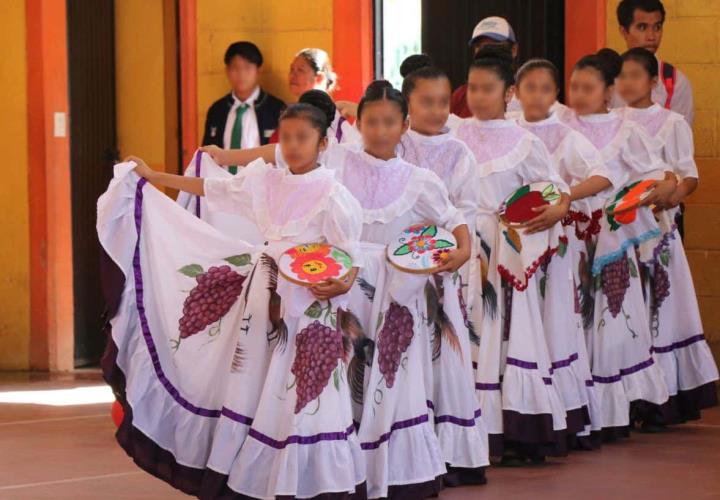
51	329
691	41
14	216
36	285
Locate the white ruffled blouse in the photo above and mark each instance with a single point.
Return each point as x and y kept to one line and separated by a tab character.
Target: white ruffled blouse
627	150
450	159
574	156
394	194
312	207
508	157
673	132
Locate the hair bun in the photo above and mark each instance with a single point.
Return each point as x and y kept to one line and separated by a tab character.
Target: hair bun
378	86
496	51
611	63
322	101
414	63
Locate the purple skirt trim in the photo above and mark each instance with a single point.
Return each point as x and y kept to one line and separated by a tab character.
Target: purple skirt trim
145	327
147	454
294	439
680	344
564	362
198	161
403	424
228	413
527	365
452	419
464	422
623	372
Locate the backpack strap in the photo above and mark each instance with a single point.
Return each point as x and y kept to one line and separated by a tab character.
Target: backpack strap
669	77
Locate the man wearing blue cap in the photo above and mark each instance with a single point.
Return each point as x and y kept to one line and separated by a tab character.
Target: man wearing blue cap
491	30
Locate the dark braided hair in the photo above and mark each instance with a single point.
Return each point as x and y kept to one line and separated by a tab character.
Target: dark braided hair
534	64
643	57
313	115
606	61
418	67
382	90
498	59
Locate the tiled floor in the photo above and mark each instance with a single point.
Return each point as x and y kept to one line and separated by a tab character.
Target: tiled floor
69	452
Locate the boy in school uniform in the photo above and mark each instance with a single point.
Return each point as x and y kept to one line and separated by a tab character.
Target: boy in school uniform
491	30
248	116
641	25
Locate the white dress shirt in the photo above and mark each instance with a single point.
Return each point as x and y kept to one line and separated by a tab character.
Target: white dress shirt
250	132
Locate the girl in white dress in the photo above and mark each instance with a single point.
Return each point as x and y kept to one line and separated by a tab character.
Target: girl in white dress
619	342
204	165
286	426
582	168
429	144
415	419
520	403
678	342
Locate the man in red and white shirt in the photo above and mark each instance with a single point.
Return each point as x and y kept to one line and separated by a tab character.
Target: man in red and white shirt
641	25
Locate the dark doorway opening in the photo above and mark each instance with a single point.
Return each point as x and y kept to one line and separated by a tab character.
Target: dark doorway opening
447	26
91	61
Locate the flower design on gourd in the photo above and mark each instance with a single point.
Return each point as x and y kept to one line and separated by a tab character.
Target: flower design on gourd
315	267
440	256
423	242
415	229
310	248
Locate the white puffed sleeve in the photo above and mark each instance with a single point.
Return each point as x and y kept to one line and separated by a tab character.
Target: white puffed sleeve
235	195
642	154
461	183
343	223
679	149
590	157
434	204
538	167
350	133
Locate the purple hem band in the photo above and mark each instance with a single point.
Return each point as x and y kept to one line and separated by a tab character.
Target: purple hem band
198	161
527	365
152	349
465	422
564	362
480	386
295	439
237	417
679	345
403	424
623	372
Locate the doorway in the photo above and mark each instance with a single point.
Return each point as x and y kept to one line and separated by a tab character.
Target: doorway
91	78
447	27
